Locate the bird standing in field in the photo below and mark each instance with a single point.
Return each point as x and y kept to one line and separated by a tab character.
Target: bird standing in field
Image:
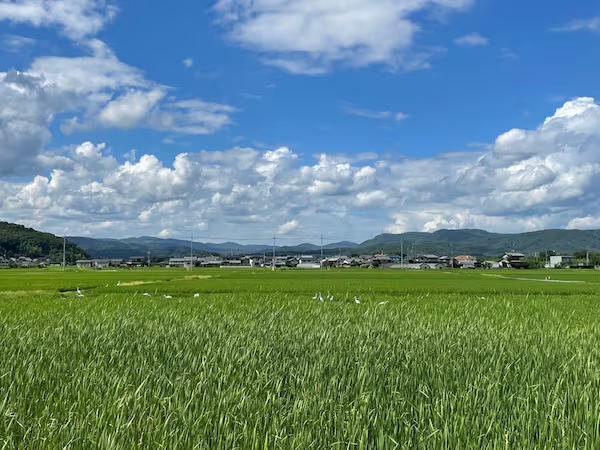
196	295
79	293
168	296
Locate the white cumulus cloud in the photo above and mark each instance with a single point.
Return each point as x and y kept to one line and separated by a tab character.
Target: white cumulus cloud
288	227
128	110
77	19
312	37
96	90
92	90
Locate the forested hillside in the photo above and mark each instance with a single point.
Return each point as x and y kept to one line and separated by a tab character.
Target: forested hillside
17	240
483	243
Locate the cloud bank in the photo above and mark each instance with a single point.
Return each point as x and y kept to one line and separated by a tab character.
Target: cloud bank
526	180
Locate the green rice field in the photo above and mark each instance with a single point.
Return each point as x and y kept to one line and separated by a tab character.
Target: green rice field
248	359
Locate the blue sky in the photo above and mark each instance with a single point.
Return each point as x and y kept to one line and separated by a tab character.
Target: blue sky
237	119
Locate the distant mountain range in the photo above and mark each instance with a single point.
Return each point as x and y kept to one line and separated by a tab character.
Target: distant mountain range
161	248
442	242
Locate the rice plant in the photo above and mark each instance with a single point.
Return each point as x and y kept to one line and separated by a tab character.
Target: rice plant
424	361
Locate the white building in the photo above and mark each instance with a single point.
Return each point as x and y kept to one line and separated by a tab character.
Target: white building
306	259
308	265
562	261
183	262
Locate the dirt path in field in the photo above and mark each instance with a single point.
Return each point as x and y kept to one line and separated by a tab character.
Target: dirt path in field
186	278
14	292
546	280
139	283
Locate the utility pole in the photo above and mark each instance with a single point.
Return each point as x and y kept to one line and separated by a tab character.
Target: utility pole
148	257
401	253
273	264
191	251
64	251
321	262
587	256
451	257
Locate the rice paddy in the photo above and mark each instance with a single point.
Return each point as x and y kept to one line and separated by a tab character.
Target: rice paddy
427	359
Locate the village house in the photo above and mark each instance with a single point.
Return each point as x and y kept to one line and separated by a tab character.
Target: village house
97	263
491	265
514	260
428	259
466	261
187	262
419	266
